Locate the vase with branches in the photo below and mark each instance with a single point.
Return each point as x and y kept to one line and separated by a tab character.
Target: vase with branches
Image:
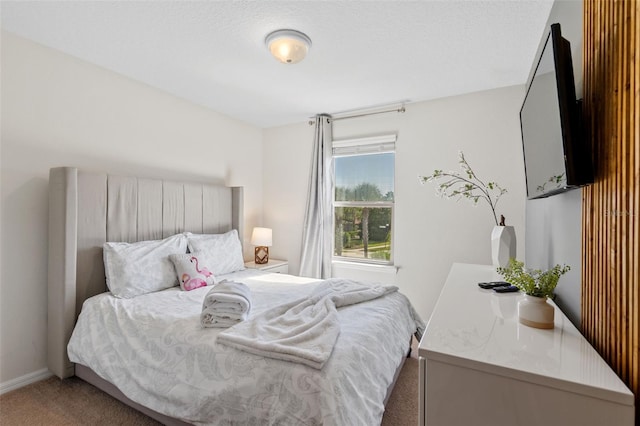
466	184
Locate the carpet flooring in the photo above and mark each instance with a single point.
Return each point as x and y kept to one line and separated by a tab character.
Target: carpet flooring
55	402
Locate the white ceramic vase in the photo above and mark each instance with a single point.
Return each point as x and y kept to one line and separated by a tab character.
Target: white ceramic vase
535	312
503	245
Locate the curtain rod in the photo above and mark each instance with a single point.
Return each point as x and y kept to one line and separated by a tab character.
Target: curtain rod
399	109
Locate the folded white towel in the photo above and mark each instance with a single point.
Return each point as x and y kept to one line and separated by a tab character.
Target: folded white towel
211	319
226	304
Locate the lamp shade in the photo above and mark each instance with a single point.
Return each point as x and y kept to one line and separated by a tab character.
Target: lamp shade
288	46
262	237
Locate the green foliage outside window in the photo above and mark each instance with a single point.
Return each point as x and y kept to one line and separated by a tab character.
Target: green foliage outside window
363	232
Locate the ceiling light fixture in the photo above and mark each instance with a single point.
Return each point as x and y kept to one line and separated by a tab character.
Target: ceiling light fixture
288	46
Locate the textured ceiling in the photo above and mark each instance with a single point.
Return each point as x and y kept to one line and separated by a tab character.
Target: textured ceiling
364	53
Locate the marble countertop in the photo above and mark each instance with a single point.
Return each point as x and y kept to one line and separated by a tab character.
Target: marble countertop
479	329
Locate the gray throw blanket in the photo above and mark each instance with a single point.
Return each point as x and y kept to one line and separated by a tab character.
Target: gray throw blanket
304	330
226	304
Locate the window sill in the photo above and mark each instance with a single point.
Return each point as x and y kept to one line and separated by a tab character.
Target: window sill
366	267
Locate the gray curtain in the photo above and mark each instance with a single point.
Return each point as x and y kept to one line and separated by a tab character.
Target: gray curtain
318	222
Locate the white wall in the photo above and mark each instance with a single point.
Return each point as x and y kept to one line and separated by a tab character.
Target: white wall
60	111
553	225
430	233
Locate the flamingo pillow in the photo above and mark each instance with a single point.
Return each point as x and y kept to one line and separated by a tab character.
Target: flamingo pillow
192	273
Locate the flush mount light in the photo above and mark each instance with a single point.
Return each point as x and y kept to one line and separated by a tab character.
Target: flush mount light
288	46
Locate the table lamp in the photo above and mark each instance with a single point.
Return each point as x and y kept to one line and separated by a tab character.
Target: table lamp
262	239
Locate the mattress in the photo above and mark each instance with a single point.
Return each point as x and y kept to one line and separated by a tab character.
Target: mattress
153	348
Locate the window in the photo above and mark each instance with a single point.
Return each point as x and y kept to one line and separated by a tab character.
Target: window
364	199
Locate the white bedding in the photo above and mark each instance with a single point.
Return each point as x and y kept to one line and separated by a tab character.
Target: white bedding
155	351
304	330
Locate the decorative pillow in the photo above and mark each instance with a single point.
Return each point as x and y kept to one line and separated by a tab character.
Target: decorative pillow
221	252
138	268
192	273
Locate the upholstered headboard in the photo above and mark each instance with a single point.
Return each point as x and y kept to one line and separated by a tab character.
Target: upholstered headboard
88	209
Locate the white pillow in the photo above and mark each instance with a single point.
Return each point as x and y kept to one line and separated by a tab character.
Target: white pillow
191	271
138	268
220	252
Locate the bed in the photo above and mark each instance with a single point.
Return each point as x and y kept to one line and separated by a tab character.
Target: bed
151	352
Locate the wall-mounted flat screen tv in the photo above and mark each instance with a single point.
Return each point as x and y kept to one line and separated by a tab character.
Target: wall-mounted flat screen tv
556	153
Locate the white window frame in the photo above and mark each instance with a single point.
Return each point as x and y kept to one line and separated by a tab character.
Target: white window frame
357	147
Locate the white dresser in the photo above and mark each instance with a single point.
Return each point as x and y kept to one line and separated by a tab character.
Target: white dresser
479	366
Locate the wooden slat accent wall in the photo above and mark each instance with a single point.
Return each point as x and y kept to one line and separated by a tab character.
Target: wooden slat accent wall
611	206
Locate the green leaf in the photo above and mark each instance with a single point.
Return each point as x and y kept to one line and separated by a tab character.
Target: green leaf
533	282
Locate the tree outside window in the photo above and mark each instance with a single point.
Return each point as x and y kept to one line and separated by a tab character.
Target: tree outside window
363	207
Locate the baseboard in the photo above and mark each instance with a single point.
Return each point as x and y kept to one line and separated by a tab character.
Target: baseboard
25	380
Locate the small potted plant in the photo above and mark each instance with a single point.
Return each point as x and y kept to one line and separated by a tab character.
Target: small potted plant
537	285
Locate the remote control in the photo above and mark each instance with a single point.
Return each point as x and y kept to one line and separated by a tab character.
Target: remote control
493	284
506	289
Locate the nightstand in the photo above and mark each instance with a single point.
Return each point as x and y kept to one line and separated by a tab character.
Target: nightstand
273	265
